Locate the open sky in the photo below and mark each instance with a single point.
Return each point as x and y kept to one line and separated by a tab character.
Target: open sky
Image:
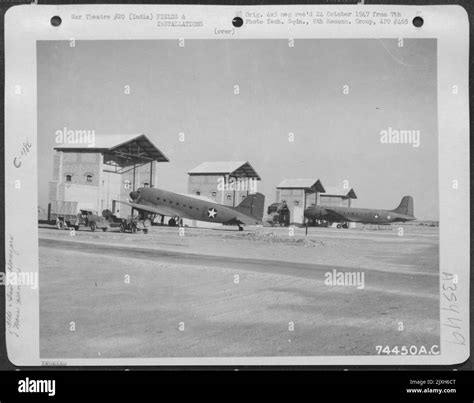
282	89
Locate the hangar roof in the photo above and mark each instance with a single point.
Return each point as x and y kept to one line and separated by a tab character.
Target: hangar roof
339	191
125	146
232	168
302	183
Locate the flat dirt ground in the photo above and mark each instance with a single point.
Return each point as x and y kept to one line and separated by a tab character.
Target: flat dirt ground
221	292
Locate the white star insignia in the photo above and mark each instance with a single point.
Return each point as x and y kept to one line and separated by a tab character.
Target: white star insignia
376	216
388	217
211	213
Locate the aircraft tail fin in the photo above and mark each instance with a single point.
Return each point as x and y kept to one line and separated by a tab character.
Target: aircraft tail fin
406	206
252	205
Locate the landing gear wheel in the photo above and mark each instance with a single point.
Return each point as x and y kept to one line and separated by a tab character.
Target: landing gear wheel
60	224
134	229
240	228
338	226
104	229
93	227
171	222
145	231
122	227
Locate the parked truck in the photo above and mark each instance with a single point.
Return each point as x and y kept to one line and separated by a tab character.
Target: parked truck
67	214
133	223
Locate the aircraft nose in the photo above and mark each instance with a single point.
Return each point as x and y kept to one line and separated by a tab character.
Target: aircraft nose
308	212
134	195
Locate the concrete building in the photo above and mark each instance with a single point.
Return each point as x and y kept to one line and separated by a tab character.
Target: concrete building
225	182
95	176
299	194
302	193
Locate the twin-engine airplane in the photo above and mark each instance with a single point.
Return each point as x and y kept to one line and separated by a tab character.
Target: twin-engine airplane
404	212
176	206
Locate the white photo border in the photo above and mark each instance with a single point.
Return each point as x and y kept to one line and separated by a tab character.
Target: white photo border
27	24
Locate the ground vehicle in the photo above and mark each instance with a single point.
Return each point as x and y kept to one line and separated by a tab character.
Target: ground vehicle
279	214
88	219
112	219
131	224
66	215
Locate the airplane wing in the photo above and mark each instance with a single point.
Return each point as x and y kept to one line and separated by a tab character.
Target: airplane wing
234	221
166	211
404	218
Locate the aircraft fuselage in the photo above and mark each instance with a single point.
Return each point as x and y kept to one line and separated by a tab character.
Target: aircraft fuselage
172	204
349	214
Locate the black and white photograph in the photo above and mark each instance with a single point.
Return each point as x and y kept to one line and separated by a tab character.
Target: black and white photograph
273	191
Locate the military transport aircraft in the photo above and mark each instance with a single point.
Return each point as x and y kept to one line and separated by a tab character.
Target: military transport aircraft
176	206
404	212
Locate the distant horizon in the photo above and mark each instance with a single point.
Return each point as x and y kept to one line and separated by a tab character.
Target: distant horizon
283	92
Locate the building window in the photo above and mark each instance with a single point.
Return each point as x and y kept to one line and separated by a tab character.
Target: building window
297	203
146	184
68	178
244	196
88	178
198	193
214	194
229	197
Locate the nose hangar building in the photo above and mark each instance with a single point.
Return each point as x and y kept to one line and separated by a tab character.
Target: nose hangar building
301	193
226	182
94	175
